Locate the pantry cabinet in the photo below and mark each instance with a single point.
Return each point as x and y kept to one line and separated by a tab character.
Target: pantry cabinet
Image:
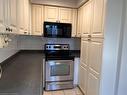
37	20
87	19
83	79
2	28
58	14
91	62
98	18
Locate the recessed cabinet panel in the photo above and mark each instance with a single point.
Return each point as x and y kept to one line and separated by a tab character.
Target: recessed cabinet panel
1	16
65	15
95	55
20	16
51	14
84	53
93	85
83	79
98	18
80	21
13	15
87	19
37	20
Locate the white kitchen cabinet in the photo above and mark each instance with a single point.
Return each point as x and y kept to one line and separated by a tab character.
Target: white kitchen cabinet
87	19
2	27
37	20
20	16
26	17
74	22
58	14
95	54
80	22
10	16
65	15
91	62
83	79
98	18
51	14
93	85
84	53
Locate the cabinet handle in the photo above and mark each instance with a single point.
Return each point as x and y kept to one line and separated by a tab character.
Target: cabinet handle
89	36
89	39
7	29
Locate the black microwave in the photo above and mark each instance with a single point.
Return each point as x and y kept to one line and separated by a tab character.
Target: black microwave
57	30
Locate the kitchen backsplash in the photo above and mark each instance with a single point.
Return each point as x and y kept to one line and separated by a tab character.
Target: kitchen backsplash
37	43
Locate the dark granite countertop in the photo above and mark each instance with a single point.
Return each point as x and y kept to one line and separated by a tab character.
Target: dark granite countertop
23	74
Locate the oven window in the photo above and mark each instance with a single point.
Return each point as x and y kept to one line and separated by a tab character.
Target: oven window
60	70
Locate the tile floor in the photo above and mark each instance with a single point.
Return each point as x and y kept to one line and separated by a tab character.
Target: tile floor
74	91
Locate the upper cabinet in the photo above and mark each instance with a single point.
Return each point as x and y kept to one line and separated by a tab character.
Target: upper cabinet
80	21
37	20
51	14
23	17
65	15
87	19
10	17
1	16
98	18
91	19
58	14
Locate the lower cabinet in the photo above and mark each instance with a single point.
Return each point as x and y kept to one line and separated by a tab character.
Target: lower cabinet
83	79
90	67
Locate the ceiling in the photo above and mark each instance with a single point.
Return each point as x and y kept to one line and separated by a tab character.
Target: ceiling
66	3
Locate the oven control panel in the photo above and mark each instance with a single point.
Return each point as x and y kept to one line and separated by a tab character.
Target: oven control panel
56	46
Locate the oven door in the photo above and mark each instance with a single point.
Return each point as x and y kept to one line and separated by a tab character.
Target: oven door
59	70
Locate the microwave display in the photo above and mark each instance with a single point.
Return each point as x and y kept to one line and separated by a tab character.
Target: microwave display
61	30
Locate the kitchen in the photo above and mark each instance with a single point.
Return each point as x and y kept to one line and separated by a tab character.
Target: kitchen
95	46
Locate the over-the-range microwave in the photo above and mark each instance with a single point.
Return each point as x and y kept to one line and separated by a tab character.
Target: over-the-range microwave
57	30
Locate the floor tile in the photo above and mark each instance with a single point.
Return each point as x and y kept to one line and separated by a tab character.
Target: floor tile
77	91
69	92
47	93
57	92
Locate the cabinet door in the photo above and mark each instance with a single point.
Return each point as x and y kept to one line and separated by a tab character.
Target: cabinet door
80	21
26	17
13	15
20	16
95	55
87	19
65	15
37	19
74	22
98	18
1	16
93	85
51	13
83	79
84	51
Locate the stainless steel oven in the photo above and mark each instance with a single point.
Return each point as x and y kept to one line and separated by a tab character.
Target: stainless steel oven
59	67
59	70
